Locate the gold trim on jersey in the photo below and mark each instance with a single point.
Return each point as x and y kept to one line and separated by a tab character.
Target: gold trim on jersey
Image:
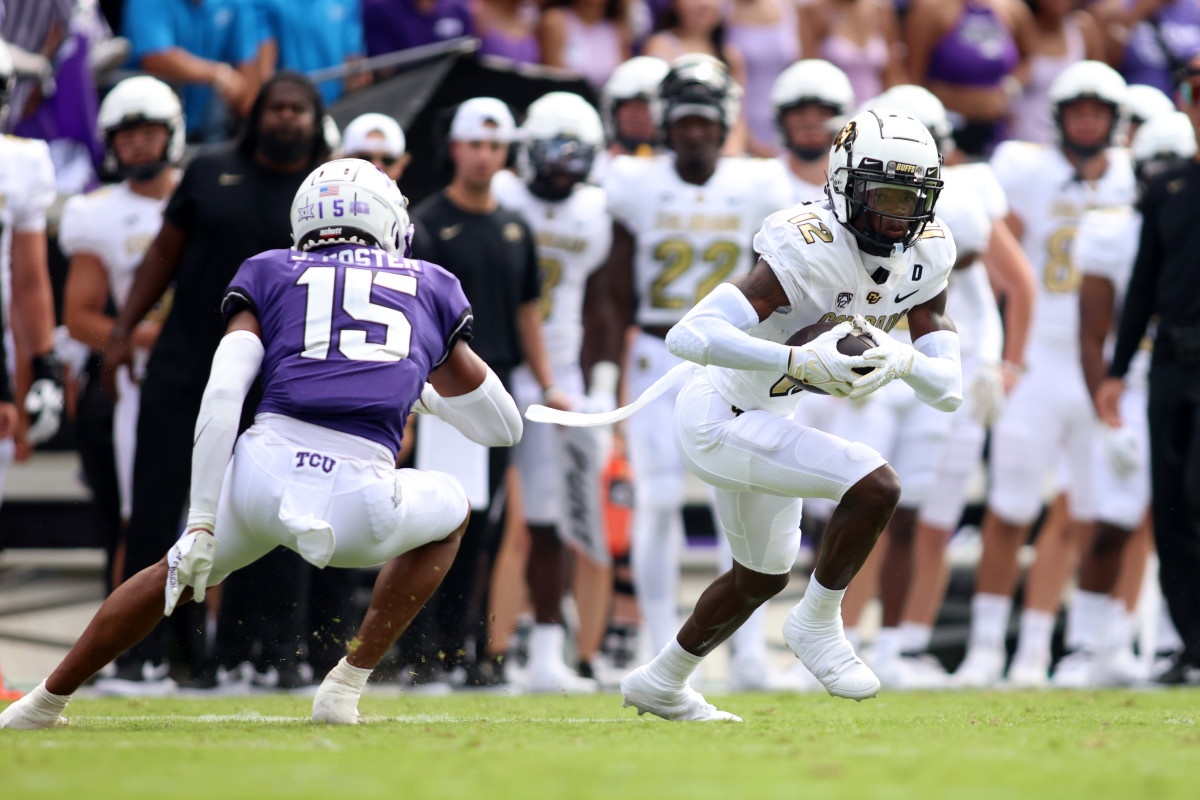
884	322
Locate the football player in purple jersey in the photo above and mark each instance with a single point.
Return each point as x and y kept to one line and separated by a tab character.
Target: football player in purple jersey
345	332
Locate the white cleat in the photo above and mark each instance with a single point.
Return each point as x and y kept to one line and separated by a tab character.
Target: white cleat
981	669
641	691
906	673
557	678
1076	670
336	702
830	658
1029	673
36	710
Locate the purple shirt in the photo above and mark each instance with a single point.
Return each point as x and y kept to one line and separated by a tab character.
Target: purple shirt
392	25
350	334
978	51
1176	28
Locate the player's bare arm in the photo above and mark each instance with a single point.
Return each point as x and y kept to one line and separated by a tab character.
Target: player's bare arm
533	344
1012	275
762	289
33	312
1096	300
616	300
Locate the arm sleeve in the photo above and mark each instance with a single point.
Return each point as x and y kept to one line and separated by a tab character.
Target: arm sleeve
234	367
486	415
1139	298
936	376
714	332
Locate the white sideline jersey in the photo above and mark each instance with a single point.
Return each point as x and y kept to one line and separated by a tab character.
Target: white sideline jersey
26	190
573	239
1107	246
828	279
689	239
1043	191
116	225
802	190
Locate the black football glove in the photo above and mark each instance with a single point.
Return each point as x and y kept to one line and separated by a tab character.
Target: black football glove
44	403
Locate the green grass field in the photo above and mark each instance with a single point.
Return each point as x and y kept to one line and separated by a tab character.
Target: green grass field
922	745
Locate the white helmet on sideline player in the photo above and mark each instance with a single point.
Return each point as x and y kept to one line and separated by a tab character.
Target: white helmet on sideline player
561	136
1160	143
812	81
635	79
138	101
7	76
884	149
350	201
1088	80
926	107
1143	103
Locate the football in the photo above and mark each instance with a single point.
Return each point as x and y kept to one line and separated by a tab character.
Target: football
852	344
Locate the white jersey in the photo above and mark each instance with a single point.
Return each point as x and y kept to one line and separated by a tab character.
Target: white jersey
802	190
573	239
1107	246
971	203
26	191
689	239
1043	190
828	279
116	225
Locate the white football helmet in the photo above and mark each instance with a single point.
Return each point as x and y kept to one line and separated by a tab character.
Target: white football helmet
878	150
926	107
1088	80
562	134
635	79
7	75
351	201
1143	103
699	85
136	101
1161	143
812	81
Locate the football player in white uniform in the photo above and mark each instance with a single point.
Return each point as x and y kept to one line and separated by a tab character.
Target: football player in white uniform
1049	415
1098	626
867	259
625	109
683	222
811	100
936	454
106	232
26	191
560	466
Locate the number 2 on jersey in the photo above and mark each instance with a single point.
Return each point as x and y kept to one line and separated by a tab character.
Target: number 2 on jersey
677	257
356	301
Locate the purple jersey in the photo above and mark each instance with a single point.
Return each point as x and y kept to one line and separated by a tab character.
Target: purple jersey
350	334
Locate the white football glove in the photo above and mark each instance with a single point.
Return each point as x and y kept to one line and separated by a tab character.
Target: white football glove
1122	449
819	363
188	564
45	399
891	358
986	394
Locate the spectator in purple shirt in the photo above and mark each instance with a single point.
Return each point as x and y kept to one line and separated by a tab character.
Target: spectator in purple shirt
392	25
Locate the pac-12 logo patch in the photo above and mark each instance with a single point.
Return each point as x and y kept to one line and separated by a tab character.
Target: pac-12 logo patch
844	299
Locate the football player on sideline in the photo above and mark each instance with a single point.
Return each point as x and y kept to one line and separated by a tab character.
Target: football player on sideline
683	222
874	249
560	466
27	186
345	331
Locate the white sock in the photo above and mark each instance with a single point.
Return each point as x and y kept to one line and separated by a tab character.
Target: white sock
853	637
989	619
47	698
347	673
546	645
674	665
888	644
915	637
1087	618
1037	628
1121	625
750	641
820	605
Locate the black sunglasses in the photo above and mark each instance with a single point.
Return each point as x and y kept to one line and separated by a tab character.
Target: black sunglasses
377	158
